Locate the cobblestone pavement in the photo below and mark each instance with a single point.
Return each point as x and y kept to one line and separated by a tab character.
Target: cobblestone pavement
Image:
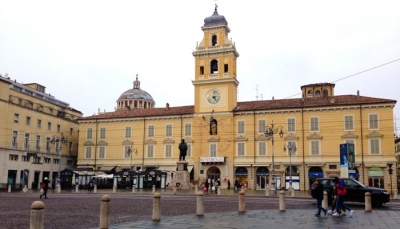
70	210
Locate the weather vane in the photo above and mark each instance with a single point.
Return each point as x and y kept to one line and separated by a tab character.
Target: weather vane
216	6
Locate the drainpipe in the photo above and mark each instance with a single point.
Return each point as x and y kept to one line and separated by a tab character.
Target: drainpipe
144	138
362	146
95	148
304	162
255	145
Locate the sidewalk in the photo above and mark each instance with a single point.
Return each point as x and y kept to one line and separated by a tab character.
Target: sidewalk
293	219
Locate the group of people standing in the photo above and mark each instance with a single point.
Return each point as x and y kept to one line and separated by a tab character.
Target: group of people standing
339	192
212	186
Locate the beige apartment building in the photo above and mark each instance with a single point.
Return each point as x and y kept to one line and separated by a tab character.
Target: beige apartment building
227	139
39	135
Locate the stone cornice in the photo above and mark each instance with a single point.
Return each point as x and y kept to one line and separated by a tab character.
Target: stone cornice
350	135
88	143
213	139
150	141
168	141
291	137
102	143
314	136
240	139
127	142
261	138
374	134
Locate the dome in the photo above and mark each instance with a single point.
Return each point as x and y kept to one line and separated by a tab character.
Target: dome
135	98
215	19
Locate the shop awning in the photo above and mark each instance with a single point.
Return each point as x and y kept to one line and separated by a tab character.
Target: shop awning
107	168
84	167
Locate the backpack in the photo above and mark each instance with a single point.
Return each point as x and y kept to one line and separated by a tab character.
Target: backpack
313	191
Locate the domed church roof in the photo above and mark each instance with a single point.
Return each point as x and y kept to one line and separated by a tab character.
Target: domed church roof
136	92
215	19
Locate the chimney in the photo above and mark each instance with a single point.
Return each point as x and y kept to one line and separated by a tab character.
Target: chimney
273	98
358	93
167	106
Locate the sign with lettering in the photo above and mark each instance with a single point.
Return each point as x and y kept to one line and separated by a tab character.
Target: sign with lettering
212	159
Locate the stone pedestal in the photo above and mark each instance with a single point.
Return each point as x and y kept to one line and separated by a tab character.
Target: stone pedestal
181	177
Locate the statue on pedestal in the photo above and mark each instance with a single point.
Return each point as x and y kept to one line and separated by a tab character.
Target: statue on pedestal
182	150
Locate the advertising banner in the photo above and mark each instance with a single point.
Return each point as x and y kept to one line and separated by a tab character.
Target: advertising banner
344	162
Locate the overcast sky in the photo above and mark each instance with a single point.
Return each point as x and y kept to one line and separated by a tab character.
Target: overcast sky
87	53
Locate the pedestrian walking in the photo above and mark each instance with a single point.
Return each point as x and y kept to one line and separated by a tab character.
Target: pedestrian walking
45	187
229	184
90	186
206	186
317	192
341	191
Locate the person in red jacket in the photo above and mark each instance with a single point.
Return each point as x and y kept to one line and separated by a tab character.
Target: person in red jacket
341	192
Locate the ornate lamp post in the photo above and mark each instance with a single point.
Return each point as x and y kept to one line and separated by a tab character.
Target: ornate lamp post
270	131
59	140
130	152
390	170
291	146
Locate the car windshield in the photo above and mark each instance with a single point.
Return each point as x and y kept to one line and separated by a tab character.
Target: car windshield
353	183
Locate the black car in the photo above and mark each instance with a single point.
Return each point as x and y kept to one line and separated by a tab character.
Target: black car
356	191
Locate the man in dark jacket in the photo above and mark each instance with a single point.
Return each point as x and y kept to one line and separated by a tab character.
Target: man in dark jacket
318	193
182	150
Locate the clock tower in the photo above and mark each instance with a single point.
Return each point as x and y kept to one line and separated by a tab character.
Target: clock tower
215	80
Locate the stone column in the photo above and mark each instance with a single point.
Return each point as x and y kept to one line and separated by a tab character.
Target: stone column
367	202
9	188
105	212
95	188
200	204
196	189
325	201
133	189
156	207
242	204
282	203
37	215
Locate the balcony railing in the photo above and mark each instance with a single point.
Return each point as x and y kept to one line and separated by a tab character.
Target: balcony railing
14	145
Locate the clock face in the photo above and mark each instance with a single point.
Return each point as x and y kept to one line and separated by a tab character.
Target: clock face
213	96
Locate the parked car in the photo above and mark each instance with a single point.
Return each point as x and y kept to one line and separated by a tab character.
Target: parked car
356	191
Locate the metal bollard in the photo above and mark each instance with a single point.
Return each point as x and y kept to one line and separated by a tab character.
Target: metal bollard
76	188
282	203
114	189
325	201
368	202
105	212
200	204
174	190
242	204
154	189
196	189
37	215
156	207
133	189
9	188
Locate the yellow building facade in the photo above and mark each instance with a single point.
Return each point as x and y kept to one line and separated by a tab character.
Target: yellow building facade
227	138
39	135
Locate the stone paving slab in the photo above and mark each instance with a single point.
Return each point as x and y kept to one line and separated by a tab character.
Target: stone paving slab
294	219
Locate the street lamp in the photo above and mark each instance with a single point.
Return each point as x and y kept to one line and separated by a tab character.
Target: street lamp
58	140
270	131
291	146
130	153
390	170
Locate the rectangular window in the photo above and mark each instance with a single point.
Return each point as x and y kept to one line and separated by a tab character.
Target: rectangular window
58	128
16	118
88	152
28	121
314	124
213	149
201	70
150	131
262	148
150	151
189	150
26	141
13	157
314	147
49	126
291	125
46	160
168	130
102	152
58	148
373	121
47	145
128	132
89	133
102	133
127	152
14	142
71	131
291	148
39	123
261	125
168	150
37	160
56	161
37	143
348	122
240	149
25	158
240	127
374	146
226	68
188	129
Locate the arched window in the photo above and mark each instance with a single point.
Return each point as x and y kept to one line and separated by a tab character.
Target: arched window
214	40
309	94
214	66
317	93
325	92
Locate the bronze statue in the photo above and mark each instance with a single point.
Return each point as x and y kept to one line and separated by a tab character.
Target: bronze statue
182	150
213	126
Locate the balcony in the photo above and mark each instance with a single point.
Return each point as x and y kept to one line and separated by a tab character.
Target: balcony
37	148
14	145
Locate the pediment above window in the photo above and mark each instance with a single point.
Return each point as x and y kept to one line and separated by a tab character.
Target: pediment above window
127	142
88	143
314	136
240	139
261	138
102	143
349	135
374	134
150	141
168	141
291	137
189	140
213	139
